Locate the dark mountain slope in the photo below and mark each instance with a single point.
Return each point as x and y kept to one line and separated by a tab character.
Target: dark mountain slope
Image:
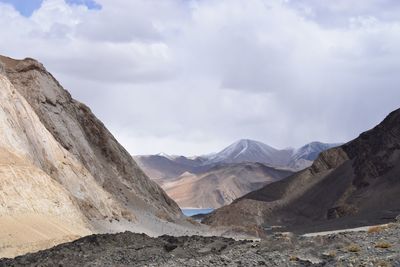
357	183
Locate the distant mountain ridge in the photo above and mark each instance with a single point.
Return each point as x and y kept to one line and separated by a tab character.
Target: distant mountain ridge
246	150
233	172
162	166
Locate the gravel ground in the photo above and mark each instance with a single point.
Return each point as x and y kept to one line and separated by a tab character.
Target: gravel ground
377	247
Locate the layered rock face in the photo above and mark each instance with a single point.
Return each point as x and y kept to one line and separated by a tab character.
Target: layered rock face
355	184
58	161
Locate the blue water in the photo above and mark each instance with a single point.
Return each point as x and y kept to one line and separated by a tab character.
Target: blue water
191	212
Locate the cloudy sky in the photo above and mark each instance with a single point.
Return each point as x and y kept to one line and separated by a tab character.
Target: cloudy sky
192	76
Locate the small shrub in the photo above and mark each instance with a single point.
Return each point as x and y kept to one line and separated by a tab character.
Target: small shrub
332	254
383	245
383	264
294	258
353	248
376	229
329	254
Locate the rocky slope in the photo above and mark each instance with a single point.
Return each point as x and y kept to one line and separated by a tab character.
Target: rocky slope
62	167
221	185
355	184
377	247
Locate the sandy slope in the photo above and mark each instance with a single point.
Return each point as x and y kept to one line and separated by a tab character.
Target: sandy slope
21	234
36	212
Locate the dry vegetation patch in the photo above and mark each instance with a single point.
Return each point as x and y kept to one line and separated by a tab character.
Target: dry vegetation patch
377	229
353	248
383	245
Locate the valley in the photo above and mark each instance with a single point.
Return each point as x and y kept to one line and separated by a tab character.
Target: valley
69	190
181	133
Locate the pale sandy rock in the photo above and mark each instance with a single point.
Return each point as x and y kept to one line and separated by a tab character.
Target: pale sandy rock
22	133
36	212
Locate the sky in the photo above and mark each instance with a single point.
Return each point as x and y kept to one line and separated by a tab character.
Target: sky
189	77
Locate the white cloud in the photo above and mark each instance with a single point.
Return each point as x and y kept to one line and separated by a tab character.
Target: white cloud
189	77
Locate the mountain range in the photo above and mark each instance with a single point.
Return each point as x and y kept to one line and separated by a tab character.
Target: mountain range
217	179
355	184
246	150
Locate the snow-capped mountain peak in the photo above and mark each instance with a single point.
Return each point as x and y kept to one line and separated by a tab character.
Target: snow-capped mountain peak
244	150
165	155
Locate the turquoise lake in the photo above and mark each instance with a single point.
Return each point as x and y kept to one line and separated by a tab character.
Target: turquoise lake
191	212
